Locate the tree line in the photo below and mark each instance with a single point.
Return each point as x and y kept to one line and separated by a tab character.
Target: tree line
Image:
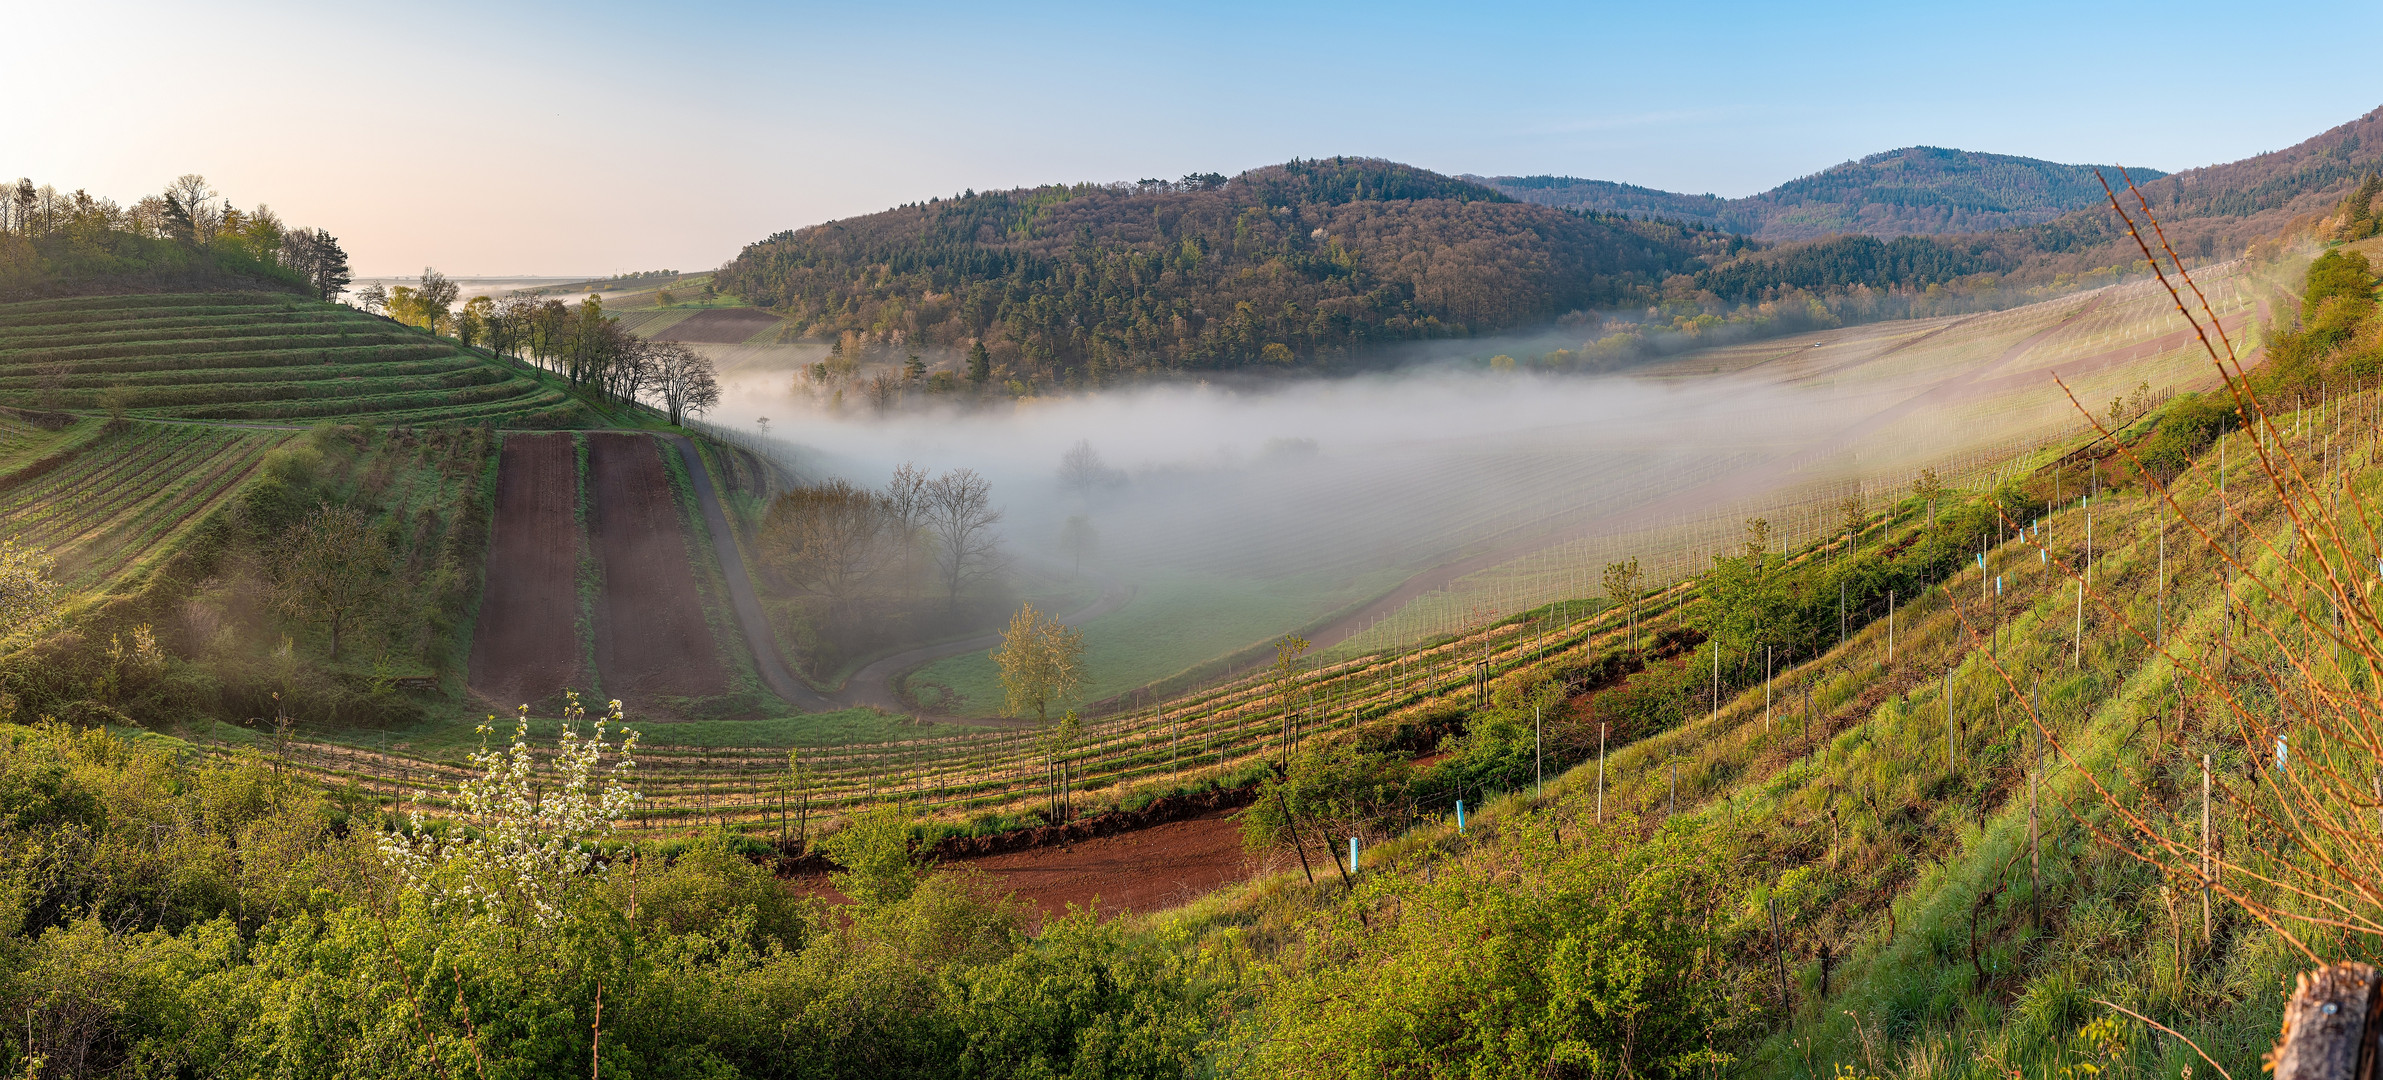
578	342
1287	265
54	237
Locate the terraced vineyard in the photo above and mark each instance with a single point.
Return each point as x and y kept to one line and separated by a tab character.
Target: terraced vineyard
108	495
257	358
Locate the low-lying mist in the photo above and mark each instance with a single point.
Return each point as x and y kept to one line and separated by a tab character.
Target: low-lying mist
1298	476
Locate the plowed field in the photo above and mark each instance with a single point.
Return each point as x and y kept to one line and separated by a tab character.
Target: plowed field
651	638
526	646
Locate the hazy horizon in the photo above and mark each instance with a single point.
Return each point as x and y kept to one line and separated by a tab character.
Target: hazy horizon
611	139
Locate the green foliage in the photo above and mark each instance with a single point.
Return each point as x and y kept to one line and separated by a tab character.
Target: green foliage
1601	968
874	849
2337	273
1328	789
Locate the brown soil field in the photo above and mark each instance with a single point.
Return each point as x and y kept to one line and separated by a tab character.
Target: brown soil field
525	647
1144	870
720	326
651	638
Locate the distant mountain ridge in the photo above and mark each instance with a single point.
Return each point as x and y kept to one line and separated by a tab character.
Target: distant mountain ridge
1918	190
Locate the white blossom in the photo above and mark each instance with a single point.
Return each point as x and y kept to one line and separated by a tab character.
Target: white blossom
518	849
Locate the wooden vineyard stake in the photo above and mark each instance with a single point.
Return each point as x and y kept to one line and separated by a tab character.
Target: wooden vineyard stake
1600	774
2205	877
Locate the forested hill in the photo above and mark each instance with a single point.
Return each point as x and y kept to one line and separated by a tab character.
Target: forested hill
1920	190
1279	265
2216	210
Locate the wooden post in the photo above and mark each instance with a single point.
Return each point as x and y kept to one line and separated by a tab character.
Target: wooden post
1779	953
1600	774
2205	882
2035	845
1890	627
1766	688
2327	1028
1538	752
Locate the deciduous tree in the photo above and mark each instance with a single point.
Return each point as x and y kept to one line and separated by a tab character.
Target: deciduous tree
329	568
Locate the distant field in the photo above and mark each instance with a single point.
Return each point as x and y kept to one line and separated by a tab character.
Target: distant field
1174	622
249	358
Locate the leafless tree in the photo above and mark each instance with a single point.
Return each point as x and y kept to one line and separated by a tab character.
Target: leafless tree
827	540
961	515
1081	470
906	499
191	193
634	367
684	379
884	389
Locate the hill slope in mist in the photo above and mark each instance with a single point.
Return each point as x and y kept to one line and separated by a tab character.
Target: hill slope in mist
1279	265
1918	190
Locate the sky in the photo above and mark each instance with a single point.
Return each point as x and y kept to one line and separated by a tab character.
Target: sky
498	138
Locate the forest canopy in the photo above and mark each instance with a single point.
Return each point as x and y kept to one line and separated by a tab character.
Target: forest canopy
1281	265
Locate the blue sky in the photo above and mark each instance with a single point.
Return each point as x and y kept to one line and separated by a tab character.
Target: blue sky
597	137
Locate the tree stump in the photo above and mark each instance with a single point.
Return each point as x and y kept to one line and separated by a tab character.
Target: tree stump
2330	1025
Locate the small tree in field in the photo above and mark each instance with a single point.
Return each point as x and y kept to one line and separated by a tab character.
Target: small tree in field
328	569
1042	663
1853	515
1287	652
1928	488
1621	587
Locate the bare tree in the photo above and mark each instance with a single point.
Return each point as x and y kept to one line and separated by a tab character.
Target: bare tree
1079	539
884	389
1082	471
189	192
906	499
633	367
684	379
827	540
961	515
372	298
328	569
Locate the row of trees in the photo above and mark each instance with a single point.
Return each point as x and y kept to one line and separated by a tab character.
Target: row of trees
580	343
189	212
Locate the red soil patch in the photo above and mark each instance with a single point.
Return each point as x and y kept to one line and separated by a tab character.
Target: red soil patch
720	326
524	648
1143	870
651	638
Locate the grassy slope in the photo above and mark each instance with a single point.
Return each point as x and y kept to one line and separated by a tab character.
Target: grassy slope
1879	848
259	358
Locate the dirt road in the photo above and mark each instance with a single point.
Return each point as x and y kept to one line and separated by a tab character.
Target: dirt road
749	617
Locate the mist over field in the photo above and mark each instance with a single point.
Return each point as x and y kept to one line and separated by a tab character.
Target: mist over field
1376	470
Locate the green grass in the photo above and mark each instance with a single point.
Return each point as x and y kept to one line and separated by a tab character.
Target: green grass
1174	623
260	358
